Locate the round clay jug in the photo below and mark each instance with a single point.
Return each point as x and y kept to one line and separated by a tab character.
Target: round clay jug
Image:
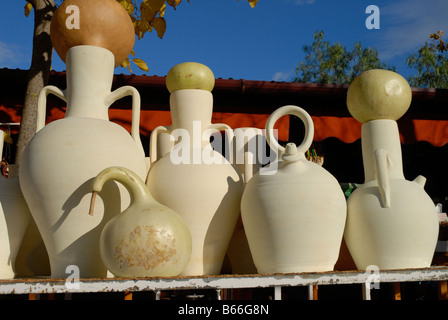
391	222
293	214
60	161
14	219
195	180
147	239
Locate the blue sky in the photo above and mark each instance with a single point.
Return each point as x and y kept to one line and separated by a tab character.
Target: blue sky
261	43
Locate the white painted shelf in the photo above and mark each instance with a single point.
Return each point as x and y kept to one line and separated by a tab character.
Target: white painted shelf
54	286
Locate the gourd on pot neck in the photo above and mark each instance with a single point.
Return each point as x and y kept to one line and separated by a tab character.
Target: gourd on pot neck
91	51
191	101
378	98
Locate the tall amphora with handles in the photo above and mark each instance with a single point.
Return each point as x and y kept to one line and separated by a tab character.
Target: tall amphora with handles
61	160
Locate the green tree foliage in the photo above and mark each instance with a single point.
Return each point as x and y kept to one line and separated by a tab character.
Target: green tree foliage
333	63
431	64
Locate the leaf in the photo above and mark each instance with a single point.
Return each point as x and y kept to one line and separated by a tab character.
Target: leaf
173	3
143	26
160	25
156	5
147	13
434	36
253	3
28	8
7	137
125	63
130	9
162	10
141	64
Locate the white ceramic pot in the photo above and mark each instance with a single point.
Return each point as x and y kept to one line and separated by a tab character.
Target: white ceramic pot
293	214
61	160
196	181
148	239
250	153
14	219
391	223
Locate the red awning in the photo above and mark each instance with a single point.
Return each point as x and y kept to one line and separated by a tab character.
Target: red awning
346	129
242	103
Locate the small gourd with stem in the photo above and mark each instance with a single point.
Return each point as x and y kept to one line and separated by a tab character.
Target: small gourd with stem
147	239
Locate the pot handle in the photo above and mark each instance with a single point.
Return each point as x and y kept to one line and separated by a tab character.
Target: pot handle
230	134
42	104
131	181
135	125
153	143
383	164
298	112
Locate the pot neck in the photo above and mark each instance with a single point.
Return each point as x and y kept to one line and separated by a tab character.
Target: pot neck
191	115
381	135
90	72
190	108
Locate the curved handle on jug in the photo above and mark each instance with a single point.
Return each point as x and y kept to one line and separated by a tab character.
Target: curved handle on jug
135	125
295	111
382	163
230	134
153	154
131	181
42	104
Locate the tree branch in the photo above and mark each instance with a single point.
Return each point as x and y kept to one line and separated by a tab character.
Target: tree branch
39	70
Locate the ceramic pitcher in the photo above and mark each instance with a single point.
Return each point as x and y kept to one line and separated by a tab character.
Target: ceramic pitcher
391	222
60	161
250	155
14	219
294	213
196	181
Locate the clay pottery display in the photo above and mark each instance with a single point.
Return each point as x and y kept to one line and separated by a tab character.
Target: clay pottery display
392	222
32	258
14	219
250	154
147	239
194	180
101	23
60	161
293	214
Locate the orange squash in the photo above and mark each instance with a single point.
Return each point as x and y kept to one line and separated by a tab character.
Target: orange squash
102	23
